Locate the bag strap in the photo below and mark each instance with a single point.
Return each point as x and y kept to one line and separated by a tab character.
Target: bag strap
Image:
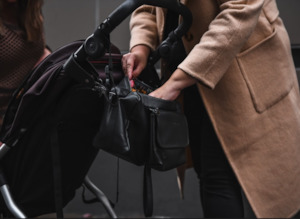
56	173
85	200
147	192
147	183
109	79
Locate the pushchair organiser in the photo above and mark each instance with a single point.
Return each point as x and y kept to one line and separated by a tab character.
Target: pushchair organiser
79	68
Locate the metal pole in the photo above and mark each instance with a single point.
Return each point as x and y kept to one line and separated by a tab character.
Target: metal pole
100	195
97	13
4	148
10	203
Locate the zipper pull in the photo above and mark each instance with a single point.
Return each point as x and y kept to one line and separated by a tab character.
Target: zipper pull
154	110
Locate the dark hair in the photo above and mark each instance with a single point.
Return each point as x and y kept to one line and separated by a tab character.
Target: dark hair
30	18
1	24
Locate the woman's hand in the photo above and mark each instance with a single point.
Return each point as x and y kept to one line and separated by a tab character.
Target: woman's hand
135	61
172	88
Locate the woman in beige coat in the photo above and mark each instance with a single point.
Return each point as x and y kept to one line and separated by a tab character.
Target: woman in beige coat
239	57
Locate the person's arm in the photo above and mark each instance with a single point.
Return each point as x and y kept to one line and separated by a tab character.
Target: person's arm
227	34
211	57
143	27
174	85
143	39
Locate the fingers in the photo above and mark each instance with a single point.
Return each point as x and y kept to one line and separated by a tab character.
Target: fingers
128	61
133	63
131	83
128	64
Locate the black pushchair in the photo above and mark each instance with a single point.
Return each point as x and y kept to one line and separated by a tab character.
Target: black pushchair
51	121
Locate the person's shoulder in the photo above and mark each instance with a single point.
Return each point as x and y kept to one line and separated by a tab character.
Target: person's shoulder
11	28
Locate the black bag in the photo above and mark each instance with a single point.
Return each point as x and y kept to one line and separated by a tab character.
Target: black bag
123	116
168	139
141	129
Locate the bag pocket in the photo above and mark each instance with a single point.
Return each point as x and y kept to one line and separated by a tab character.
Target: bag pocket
168	139
122	119
267	71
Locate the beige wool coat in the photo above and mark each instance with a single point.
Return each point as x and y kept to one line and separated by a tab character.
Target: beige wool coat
239	52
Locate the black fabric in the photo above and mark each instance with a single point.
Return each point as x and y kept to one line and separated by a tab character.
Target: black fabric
147	192
30	162
168	139
54	144
178	53
50	98
220	192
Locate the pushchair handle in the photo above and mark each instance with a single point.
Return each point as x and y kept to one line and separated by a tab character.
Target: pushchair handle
96	44
125	9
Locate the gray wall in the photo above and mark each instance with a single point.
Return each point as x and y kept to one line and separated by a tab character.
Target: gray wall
69	20
289	12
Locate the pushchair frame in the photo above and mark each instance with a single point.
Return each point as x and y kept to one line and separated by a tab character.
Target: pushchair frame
93	47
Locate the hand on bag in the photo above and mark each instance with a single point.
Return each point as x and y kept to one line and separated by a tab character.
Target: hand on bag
172	88
135	61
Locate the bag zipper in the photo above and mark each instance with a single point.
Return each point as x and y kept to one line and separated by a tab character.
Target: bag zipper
154	110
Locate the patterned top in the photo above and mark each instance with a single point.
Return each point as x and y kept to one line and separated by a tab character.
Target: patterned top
17	59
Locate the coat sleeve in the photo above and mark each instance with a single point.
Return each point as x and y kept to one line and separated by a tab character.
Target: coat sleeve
227	33
143	27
